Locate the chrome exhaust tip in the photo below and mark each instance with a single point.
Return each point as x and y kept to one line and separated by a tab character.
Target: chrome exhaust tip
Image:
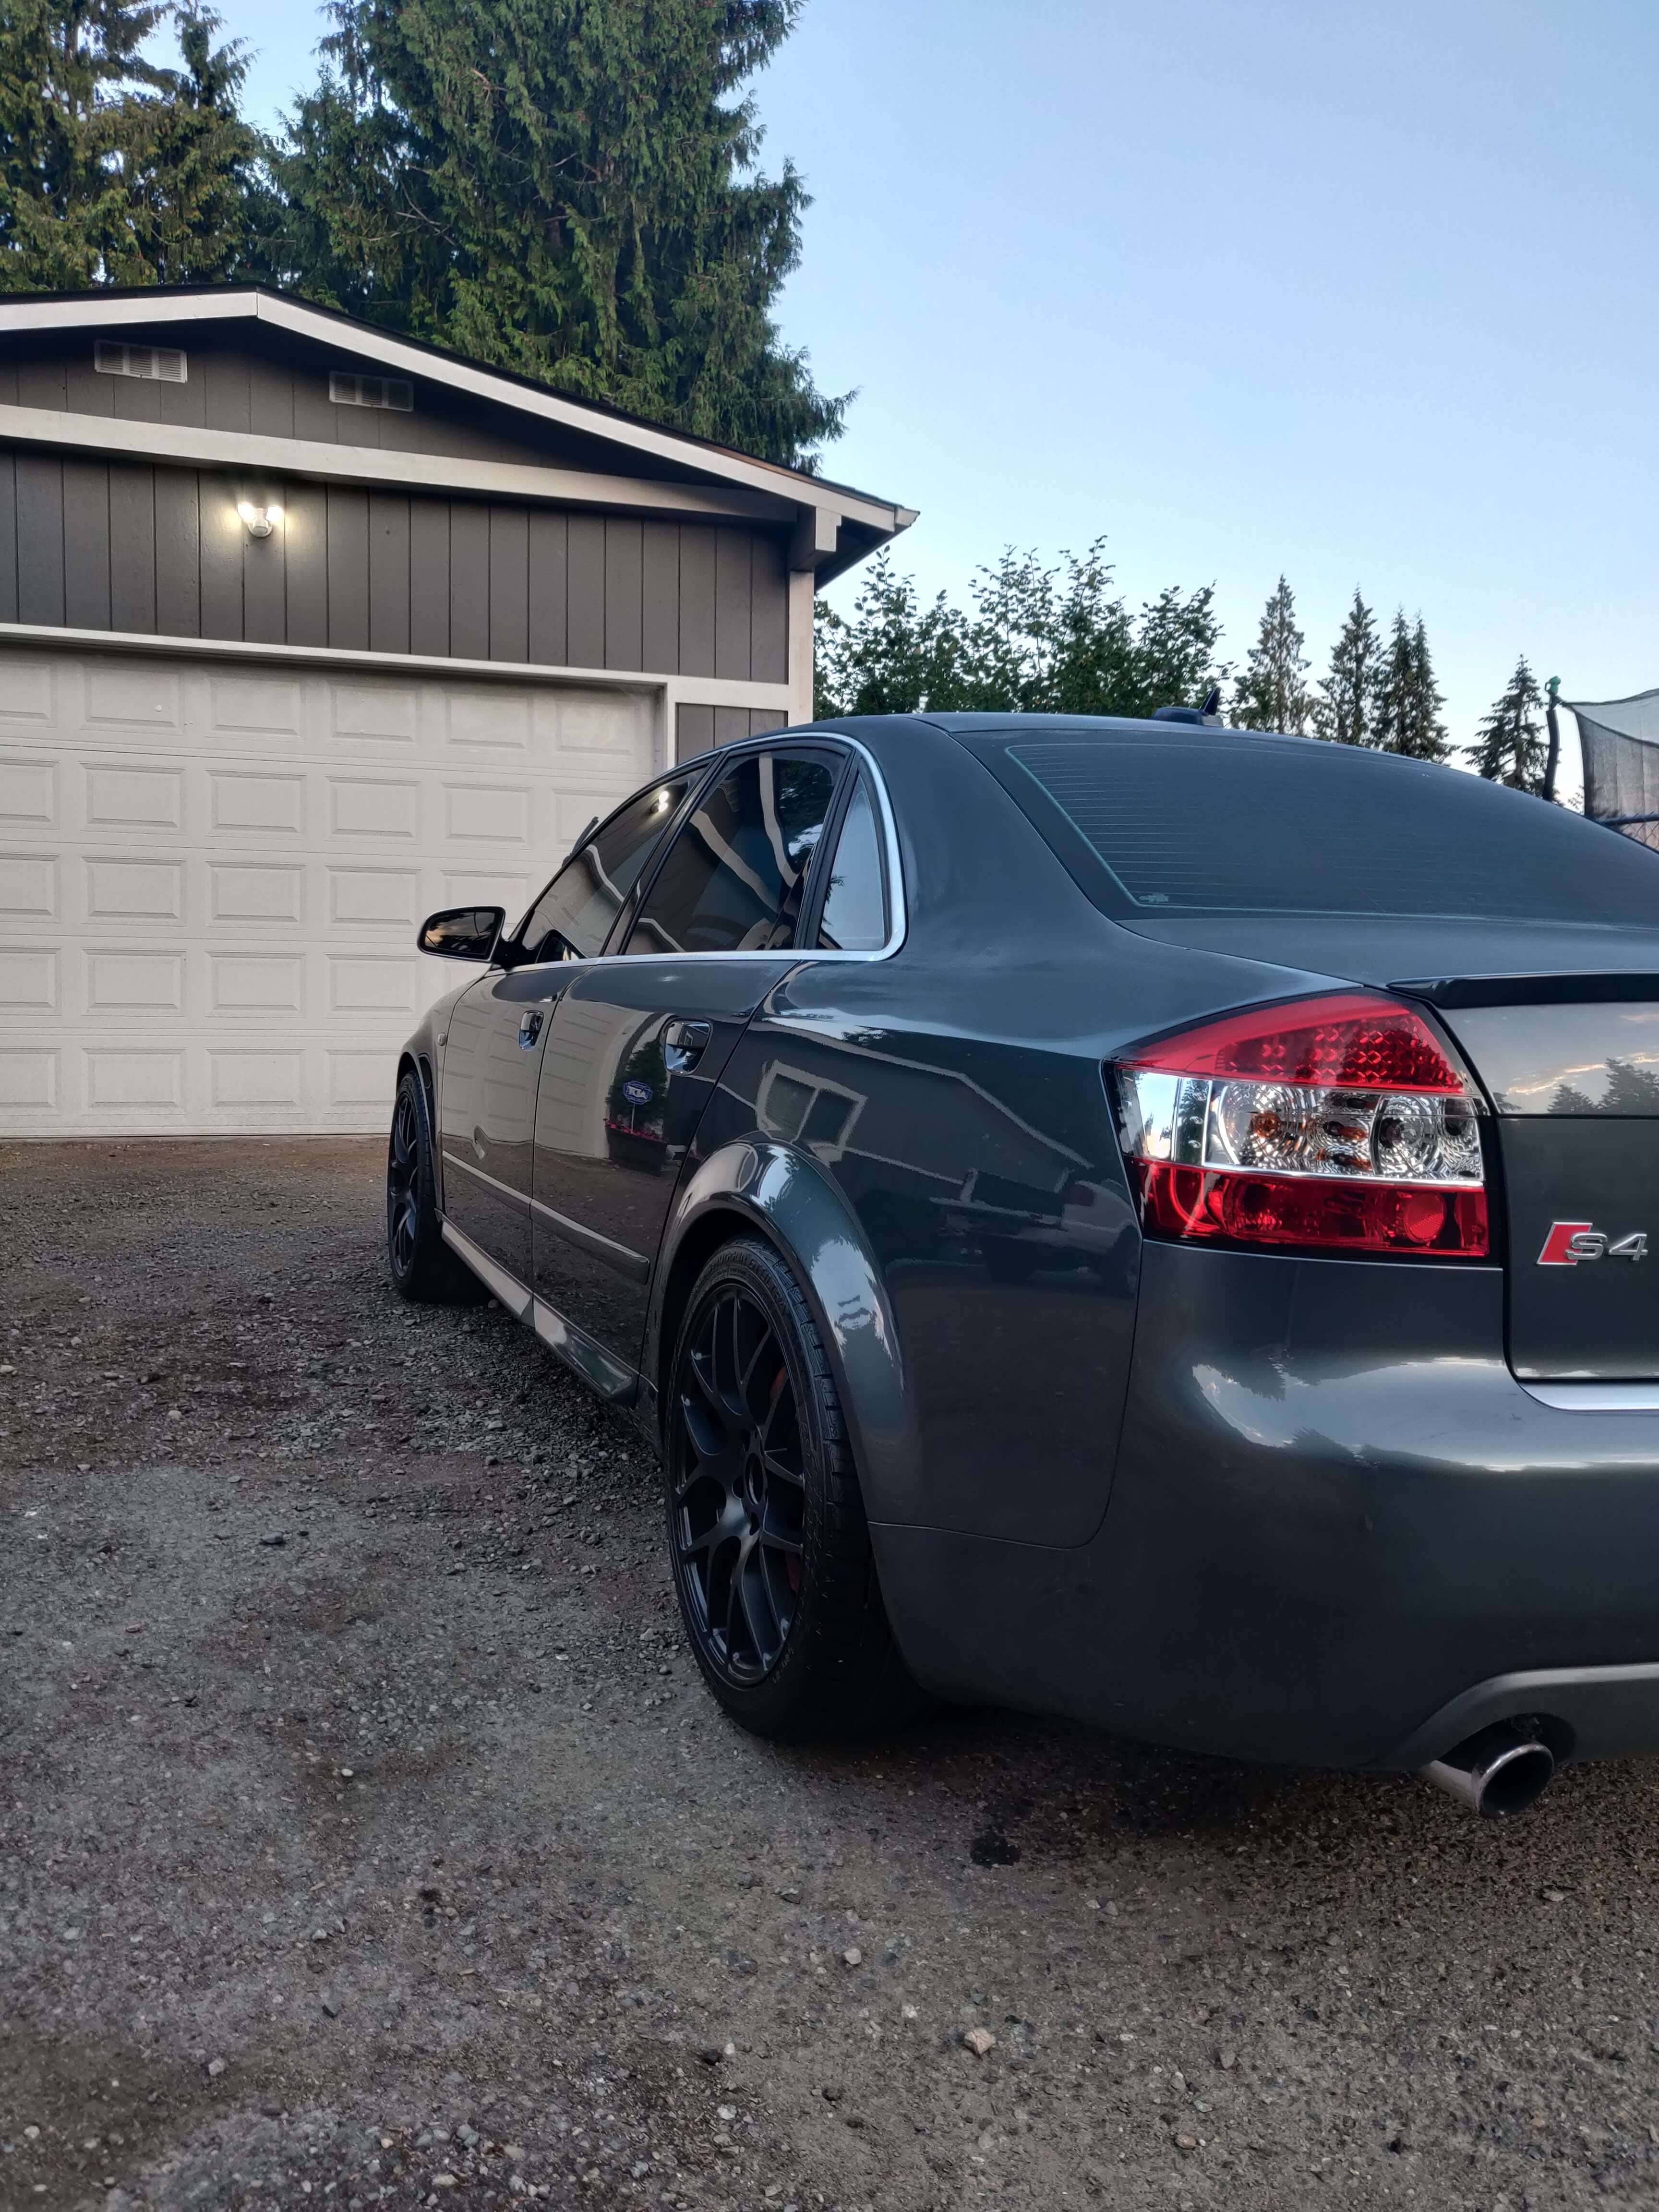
1496	1773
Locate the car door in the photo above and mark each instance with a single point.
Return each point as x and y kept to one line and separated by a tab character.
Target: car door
497	1030
492	1056
640	1037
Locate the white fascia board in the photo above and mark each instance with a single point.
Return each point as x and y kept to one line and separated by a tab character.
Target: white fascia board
248	454
700	691
104	310
299	320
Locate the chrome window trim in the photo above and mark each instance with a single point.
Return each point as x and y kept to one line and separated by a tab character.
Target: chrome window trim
1596	1397
898	918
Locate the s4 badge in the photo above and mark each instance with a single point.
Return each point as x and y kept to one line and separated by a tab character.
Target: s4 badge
1569	1241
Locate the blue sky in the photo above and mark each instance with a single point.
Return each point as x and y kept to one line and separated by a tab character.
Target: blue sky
1364	294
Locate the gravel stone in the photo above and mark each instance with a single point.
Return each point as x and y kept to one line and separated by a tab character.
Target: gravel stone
529	1902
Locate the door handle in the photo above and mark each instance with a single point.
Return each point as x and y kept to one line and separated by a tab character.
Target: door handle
683	1044
530	1028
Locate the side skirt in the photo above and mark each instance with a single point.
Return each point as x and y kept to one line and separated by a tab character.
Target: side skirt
600	1369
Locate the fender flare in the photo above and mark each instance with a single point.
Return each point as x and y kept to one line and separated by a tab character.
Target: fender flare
787	1196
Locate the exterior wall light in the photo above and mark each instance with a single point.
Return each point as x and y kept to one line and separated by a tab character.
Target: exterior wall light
260	521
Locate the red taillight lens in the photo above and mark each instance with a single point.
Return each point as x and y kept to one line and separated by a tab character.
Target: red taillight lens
1350	1040
1340	1123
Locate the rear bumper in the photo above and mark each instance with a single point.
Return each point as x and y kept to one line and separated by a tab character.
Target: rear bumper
1340	1532
1590	1712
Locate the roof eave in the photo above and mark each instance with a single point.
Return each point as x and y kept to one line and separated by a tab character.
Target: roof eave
818	499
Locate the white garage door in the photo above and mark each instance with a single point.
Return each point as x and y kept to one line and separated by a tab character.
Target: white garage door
211	874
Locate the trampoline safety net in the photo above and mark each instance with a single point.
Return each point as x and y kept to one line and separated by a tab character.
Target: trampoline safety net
1620	738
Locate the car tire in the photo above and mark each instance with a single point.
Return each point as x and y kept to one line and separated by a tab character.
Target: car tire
423	1266
768	1538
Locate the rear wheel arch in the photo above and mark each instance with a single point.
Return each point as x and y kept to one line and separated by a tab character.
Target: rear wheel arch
411	1063
785	1197
703	1238
769	1537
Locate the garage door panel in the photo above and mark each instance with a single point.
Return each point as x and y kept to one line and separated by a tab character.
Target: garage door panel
255	1078
481	720
376	718
143	695
242	803
120	796
28	1078
29	980
246	982
125	981
371	898
356	1083
374	808
358	983
132	889
29	885
243	890
28	693
210	877
486	814
492	887
249	712
136	1076
28	794
587	722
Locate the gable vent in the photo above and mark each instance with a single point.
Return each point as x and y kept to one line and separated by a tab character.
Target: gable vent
394	391
155	364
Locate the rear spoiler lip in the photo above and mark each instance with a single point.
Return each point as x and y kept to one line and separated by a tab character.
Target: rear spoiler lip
1604	986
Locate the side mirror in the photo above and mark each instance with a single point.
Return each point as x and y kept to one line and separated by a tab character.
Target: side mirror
463	933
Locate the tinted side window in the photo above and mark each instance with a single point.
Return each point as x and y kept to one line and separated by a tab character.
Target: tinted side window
855	907
732	878
584	898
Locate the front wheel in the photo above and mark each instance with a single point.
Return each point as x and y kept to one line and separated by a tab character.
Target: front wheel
422	1266
766	1525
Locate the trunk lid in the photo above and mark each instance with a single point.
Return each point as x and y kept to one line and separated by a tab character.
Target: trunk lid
1561	1026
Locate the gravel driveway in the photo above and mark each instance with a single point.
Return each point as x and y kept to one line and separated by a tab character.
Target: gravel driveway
365	1834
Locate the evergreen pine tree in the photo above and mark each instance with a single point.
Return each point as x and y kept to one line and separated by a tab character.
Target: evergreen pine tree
73	122
1509	747
566	190
1430	738
1405	701
1272	694
1343	708
199	210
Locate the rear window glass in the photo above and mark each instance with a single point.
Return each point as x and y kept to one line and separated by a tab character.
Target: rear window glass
1236	825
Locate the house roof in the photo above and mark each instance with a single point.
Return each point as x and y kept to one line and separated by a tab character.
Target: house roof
836	524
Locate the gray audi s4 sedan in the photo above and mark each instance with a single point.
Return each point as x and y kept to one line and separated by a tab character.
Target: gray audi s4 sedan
1132	1220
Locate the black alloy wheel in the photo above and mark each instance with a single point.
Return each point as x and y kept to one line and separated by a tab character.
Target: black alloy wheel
422	1266
742	1504
769	1540
403	1183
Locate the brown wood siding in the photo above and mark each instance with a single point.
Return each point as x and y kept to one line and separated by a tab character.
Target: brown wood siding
177	555
86	544
39	537
275	395
132	527
698	729
96	544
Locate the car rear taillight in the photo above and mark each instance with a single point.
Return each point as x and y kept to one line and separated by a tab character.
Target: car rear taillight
1340	1123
